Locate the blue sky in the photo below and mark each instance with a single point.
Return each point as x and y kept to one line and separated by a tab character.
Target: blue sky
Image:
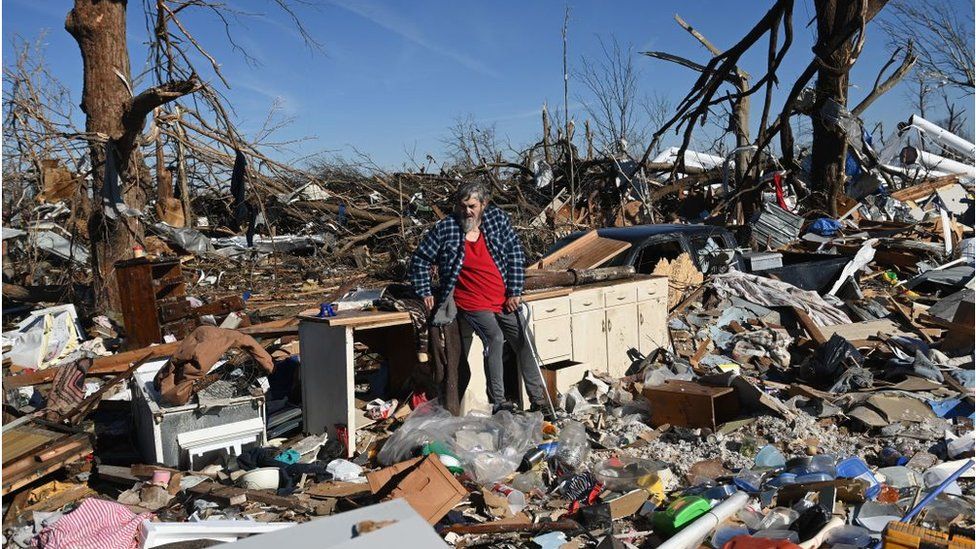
393	76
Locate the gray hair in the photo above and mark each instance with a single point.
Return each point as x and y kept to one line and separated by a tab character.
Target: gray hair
475	189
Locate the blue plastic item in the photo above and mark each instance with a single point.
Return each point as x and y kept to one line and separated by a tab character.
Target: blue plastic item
782	480
724	533
326	310
748	481
891	457
854	467
825	227
813	477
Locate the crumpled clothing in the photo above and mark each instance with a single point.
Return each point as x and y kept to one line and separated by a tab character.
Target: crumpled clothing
774	293
179	378
95	524
851	380
68	388
766	342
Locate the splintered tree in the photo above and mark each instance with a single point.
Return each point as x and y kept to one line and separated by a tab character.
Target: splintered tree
114	117
835	18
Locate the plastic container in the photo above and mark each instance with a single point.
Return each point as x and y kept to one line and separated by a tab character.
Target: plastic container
849	534
724	533
573	445
778	518
748	480
823	463
627	473
769	457
875	516
516	498
263	478
813	477
781	480
778	533
854	467
899	476
528	481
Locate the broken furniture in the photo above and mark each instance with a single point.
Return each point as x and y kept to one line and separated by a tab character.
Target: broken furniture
328	365
180	436
154	304
425	483
584	328
690	404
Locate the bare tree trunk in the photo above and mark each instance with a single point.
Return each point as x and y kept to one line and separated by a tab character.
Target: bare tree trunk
835	18
112	110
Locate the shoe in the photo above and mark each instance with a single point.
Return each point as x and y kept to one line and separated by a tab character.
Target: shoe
547	412
505	406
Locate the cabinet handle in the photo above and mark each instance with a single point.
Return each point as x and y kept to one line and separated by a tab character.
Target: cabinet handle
587	304
603	326
621	297
553	339
551	310
609	324
640	318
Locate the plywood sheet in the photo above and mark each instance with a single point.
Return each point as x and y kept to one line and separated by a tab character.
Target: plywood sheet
587	252
21	440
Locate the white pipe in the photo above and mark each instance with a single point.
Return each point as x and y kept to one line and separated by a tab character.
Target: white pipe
943	136
691	535
817	540
942	164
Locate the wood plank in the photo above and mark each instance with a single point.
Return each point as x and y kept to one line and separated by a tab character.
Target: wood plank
566	250
356	319
810	326
586	252
862	331
22	440
17	481
924	189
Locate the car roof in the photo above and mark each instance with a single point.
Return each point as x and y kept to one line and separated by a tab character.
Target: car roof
639	233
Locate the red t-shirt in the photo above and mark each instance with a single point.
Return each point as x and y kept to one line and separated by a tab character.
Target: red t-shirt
480	286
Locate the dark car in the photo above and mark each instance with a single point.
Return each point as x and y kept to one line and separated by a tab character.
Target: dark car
651	243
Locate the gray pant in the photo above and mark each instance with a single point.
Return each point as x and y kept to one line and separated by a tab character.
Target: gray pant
494	330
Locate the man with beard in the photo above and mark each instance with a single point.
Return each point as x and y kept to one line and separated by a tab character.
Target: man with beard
481	266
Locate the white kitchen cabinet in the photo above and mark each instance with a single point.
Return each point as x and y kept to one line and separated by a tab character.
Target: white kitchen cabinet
594	326
589	330
652	324
621	336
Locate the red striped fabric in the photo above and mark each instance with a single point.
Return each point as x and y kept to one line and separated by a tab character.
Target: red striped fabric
95	524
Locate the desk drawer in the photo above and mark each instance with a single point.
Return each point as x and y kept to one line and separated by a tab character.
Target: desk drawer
586	300
652	288
621	294
553	338
549	308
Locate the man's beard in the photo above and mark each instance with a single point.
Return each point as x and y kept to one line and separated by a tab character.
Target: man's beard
468	223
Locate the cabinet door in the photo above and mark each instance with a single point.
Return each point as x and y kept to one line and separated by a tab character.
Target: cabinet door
590	339
652	322
621	336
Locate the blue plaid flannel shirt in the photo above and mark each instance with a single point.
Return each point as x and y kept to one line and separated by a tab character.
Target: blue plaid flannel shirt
443	245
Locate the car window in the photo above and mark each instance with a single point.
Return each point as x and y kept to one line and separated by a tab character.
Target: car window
654	252
705	247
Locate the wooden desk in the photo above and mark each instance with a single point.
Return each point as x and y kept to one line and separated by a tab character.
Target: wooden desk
328	365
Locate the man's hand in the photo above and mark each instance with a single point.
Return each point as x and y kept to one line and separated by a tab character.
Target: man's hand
512	303
429	303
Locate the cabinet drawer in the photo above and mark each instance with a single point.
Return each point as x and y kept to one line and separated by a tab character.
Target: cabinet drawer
549	308
621	294
586	300
553	338
649	289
